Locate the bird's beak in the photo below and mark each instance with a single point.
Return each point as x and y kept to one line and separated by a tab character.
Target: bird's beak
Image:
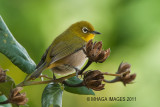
95	32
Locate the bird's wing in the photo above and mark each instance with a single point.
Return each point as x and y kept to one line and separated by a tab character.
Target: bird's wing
43	58
65	48
62	49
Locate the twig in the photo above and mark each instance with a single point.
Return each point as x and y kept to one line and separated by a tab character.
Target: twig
117	75
27	83
85	67
45	76
111	81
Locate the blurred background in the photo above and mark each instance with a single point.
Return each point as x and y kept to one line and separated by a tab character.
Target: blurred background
131	28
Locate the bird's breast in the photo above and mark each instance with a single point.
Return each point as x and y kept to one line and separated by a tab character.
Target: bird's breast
67	64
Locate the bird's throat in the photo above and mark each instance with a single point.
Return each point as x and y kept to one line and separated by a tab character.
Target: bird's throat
89	37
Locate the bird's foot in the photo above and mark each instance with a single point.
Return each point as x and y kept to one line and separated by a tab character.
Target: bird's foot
54	77
78	72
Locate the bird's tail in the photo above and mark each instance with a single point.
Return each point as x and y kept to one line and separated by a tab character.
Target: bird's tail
38	72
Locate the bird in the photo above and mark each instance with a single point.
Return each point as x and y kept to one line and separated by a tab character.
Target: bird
65	54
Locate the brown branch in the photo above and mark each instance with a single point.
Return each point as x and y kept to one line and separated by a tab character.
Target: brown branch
4	102
110	74
27	83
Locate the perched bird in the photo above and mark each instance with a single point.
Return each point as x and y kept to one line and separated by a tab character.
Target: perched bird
65	54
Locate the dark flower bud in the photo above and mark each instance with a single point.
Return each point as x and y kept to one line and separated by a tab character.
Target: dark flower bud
18	98
104	55
95	53
93	80
123	67
2	75
126	77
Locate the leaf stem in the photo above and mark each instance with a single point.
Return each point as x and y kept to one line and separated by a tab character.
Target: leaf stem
73	85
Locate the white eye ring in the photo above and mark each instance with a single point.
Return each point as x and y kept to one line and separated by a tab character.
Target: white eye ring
84	30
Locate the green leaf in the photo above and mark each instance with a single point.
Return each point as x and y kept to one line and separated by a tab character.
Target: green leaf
77	90
52	95
14	51
4	98
5	87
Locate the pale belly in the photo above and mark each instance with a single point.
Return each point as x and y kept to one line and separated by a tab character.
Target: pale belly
71	62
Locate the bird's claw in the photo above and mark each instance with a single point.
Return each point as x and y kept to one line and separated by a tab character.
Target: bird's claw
78	72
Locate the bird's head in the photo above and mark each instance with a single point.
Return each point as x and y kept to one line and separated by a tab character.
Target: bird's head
84	30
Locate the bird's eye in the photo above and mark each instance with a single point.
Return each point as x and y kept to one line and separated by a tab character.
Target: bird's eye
84	30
